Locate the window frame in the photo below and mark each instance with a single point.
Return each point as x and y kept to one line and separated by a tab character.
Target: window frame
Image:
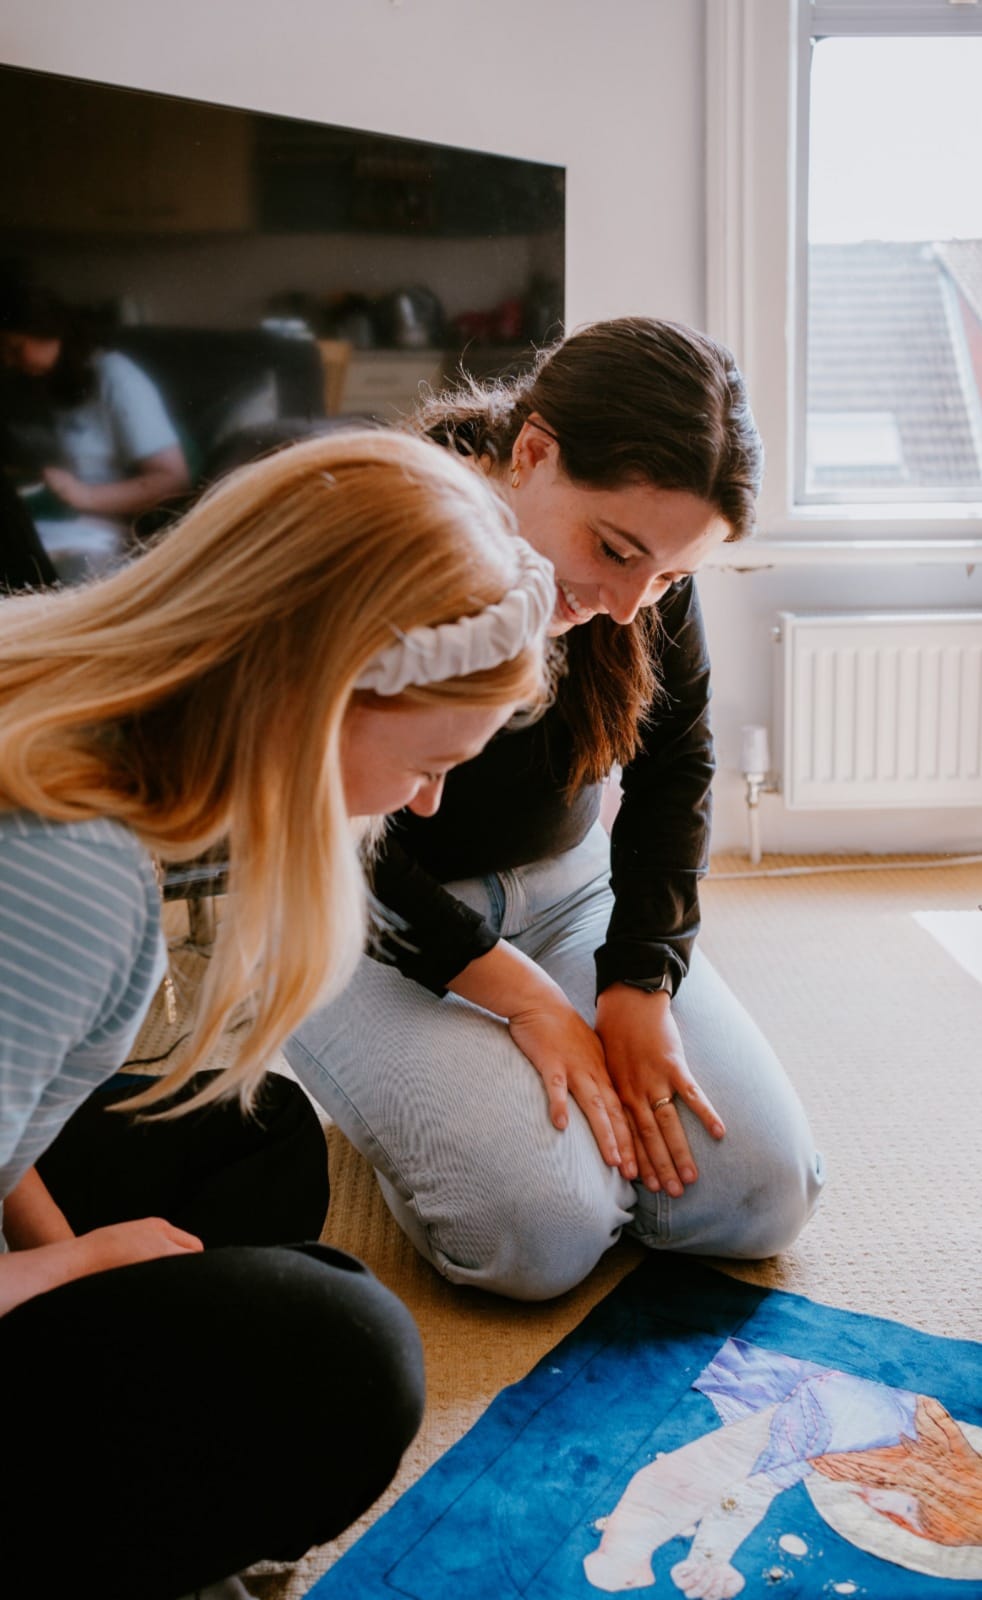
758	56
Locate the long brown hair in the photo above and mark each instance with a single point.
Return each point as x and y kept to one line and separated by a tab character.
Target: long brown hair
628	401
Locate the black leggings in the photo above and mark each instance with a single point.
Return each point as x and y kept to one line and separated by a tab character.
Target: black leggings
227	1177
171	1422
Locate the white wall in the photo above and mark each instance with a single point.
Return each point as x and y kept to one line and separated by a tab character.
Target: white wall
611	89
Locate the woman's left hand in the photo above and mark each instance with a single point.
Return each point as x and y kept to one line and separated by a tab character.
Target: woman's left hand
647	1064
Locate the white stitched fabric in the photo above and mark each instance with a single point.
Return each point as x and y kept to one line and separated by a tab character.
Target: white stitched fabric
471	644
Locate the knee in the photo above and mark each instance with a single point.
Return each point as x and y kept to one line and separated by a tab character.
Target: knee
539	1242
347	1352
376	1346
356	1380
778	1195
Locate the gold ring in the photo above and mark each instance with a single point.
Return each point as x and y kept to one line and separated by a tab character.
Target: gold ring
665	1100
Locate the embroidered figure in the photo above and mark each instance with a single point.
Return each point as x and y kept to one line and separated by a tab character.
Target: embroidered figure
889	1470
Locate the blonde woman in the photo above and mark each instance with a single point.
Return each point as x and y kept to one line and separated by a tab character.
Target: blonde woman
323	637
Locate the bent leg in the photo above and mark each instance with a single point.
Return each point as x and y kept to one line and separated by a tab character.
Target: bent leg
757	1186
454	1119
224	1175
178	1420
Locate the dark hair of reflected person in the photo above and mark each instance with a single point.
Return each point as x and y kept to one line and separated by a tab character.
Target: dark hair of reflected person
40	314
634	400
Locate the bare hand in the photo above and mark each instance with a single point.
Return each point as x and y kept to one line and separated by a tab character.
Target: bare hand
564	1051
28	1272
648	1069
67	487
569	1058
121	1244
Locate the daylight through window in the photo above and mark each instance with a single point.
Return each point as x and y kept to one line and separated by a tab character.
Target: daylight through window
893	387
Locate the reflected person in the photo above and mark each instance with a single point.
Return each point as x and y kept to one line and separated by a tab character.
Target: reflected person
86	434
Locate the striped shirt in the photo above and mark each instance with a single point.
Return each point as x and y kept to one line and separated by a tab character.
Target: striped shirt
81	956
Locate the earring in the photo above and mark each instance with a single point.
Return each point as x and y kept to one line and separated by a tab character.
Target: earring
516	475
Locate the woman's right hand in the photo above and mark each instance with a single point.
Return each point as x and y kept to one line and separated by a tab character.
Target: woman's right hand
569	1059
122	1244
26	1273
563	1049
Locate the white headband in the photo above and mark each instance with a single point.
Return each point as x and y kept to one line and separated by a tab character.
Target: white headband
472	644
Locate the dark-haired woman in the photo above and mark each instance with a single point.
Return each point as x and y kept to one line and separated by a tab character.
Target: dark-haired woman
84	430
545	1060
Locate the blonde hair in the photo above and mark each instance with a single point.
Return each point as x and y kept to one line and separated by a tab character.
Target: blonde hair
198	695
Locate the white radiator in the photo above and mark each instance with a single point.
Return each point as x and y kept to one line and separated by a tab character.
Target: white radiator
879	709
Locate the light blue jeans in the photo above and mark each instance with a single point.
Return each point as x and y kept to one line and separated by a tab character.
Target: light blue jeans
454	1120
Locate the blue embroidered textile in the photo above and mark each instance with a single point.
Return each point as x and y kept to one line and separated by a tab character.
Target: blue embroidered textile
806	1451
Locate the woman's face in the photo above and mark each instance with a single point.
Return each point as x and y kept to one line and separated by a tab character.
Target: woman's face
614	550
394	756
28	354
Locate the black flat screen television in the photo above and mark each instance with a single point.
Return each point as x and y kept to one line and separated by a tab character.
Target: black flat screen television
262	269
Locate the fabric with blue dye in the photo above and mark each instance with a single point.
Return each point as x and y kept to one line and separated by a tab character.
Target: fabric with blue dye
696	1429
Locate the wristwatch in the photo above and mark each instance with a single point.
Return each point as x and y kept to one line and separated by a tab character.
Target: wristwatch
664	984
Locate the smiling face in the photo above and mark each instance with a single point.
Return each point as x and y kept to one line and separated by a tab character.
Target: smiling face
399	755
614	550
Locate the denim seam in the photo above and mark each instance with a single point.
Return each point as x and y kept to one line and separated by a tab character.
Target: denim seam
496	894
660	1235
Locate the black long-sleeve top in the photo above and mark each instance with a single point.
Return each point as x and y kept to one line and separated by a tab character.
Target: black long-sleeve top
507	808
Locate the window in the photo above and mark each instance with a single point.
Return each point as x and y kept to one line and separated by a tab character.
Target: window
893	345
845	255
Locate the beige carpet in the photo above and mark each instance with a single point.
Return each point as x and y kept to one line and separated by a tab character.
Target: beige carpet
878	1026
880	1030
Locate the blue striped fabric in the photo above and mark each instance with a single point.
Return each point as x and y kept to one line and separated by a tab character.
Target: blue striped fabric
81	956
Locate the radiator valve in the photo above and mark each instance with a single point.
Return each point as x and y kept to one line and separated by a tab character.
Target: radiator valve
755	764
